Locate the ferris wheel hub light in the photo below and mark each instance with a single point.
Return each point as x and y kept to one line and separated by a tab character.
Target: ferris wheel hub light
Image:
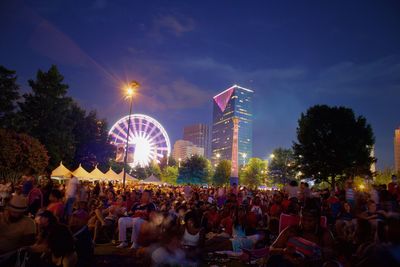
142	155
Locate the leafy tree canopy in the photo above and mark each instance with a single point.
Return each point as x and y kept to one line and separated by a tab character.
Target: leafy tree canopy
170	174
8	96
222	172
45	115
167	161
69	133
282	166
254	173
332	143
19	154
195	170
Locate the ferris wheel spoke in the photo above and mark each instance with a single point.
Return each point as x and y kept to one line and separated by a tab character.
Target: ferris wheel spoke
153	129
120	131
116	136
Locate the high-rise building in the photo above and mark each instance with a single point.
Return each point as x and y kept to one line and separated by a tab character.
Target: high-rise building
199	135
397	150
233	104
185	149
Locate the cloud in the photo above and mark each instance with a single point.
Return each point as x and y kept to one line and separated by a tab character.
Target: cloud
54	44
169	24
176	95
368	78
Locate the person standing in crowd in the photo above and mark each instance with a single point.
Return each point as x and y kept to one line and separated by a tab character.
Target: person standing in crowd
71	192
349	193
56	205
27	182
17	230
292	189
35	198
394	192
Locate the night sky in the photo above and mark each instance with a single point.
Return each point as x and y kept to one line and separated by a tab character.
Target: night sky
293	54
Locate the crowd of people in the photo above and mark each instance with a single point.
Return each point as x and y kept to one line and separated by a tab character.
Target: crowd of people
49	224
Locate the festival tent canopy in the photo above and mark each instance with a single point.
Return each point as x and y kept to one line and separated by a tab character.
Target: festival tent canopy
128	177
152	180
112	175
81	173
61	171
96	174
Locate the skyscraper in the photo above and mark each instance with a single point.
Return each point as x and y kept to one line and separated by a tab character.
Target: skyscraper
233	103
397	150
185	149
199	135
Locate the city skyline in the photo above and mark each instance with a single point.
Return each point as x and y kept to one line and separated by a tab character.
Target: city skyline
294	55
199	135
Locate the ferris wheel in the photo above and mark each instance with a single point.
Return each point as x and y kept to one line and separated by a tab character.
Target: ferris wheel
148	140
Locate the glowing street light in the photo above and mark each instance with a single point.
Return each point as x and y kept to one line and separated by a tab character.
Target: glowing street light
129	94
179	162
244	155
272	156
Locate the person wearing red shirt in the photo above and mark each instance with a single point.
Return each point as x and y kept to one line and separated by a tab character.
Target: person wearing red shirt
56	205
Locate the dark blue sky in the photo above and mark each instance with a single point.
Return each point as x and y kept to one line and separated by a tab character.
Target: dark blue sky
293	54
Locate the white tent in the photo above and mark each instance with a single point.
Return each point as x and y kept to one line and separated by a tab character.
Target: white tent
112	175
81	173
61	171
151	180
96	174
128	177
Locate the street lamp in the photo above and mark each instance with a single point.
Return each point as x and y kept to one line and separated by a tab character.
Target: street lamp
179	162
218	156
244	155
129	94
272	156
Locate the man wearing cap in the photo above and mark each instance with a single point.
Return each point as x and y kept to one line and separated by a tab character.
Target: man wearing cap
17	230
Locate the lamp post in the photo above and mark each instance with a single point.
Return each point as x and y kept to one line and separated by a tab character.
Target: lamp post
129	94
179	162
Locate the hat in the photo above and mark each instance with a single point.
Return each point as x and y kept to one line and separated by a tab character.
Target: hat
17	203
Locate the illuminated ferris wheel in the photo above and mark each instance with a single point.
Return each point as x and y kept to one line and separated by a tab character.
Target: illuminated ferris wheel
148	140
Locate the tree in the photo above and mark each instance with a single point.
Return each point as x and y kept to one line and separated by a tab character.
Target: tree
194	170
170	174
45	115
154	169
281	167
8	96
254	173
384	177
167	161
222	172
332	143
91	139
19	153
140	172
